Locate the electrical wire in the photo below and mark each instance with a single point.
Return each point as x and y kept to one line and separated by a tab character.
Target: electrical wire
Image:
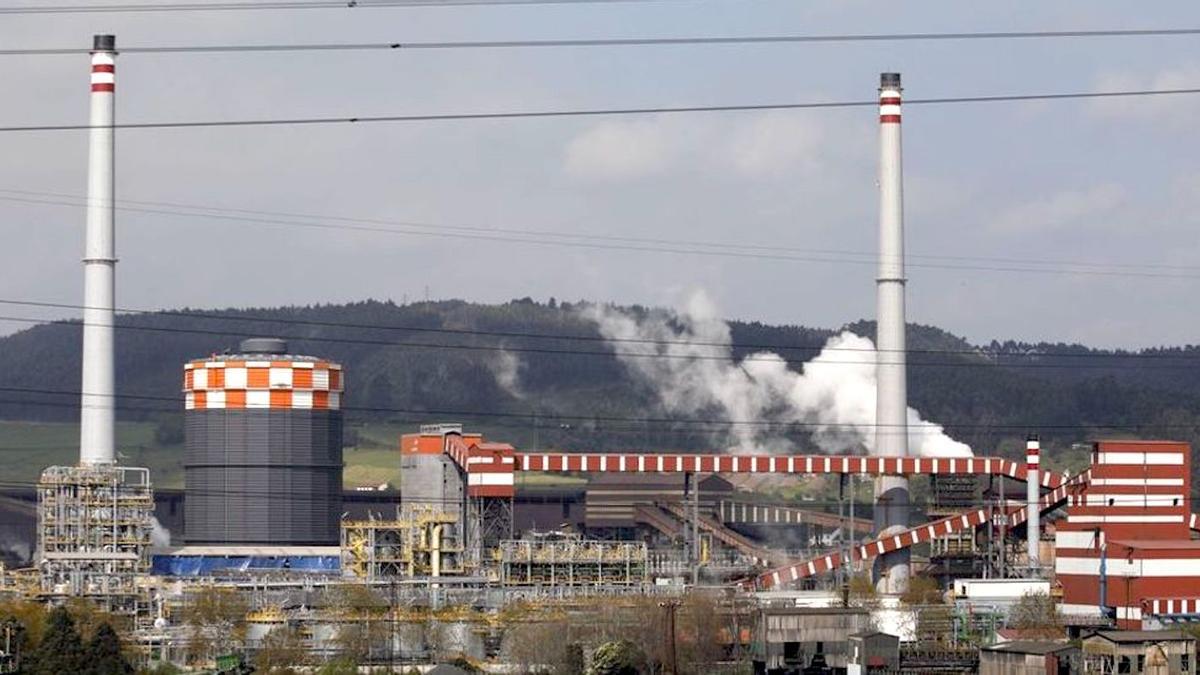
612	42
727	358
599	242
574	338
82	201
550	416
120	8
597	112
737	500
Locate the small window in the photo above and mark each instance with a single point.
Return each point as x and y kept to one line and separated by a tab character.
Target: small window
1124	665
1185	663
1141	662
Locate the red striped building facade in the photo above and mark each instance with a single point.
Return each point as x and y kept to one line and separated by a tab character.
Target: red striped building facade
1126	542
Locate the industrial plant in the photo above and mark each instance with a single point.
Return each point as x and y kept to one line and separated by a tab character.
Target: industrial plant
474	548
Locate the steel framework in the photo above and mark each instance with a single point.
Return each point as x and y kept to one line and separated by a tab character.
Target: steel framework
94	525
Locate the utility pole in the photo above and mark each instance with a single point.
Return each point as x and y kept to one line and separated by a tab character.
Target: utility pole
671	667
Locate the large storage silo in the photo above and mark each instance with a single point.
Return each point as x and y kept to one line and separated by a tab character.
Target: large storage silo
263	462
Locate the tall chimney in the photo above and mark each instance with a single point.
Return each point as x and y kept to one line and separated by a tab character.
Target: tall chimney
1033	451
96	432
891	398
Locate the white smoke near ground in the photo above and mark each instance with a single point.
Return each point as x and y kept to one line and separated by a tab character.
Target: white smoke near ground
687	357
506	368
159	535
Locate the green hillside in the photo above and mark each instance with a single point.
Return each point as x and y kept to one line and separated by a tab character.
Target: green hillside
438	361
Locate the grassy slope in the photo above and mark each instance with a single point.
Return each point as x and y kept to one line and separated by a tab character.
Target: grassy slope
28	447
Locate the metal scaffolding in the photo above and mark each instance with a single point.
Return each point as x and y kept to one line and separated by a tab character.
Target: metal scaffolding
566	560
426	542
94	525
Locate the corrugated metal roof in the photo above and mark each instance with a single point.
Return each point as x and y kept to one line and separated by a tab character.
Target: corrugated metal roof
1142	635
1029	647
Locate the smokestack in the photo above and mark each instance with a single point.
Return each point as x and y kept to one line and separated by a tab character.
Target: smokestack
891	398
96	439
1033	451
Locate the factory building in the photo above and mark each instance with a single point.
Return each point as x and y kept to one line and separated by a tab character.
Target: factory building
263	514
263	435
1126	542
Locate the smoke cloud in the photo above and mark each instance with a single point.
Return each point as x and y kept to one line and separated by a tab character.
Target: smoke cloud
159	535
506	368
686	357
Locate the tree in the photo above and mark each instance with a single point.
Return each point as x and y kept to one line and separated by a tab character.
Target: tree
538	646
31	617
861	591
922	591
61	650
699	627
621	657
1036	616
103	653
364	620
214	618
281	650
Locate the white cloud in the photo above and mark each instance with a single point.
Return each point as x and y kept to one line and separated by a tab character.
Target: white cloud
620	150
1170	109
1093	206
754	146
775	142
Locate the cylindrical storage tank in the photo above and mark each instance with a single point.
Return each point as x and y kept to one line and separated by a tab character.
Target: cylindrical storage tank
263	461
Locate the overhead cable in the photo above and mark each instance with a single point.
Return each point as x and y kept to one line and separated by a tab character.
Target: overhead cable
600	112
987	362
467	332
260	5
575	417
401	45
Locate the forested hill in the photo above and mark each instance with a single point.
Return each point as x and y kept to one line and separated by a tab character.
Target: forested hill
439	361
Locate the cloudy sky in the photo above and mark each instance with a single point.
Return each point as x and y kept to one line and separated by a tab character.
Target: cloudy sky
992	190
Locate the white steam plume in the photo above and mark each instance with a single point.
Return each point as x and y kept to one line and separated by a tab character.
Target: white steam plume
694	373
506	368
159	535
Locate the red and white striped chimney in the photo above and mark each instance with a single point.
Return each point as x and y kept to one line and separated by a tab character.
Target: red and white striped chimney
1033	492
891	396
96	428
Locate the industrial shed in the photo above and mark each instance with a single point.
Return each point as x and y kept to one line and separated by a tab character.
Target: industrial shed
787	638
873	652
1156	652
1028	657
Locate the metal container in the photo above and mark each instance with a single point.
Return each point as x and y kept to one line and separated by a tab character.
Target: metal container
263	460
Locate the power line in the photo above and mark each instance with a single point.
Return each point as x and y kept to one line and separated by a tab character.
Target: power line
119	8
601	242
611	42
547	416
464	332
725	358
736	499
121	204
596	112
